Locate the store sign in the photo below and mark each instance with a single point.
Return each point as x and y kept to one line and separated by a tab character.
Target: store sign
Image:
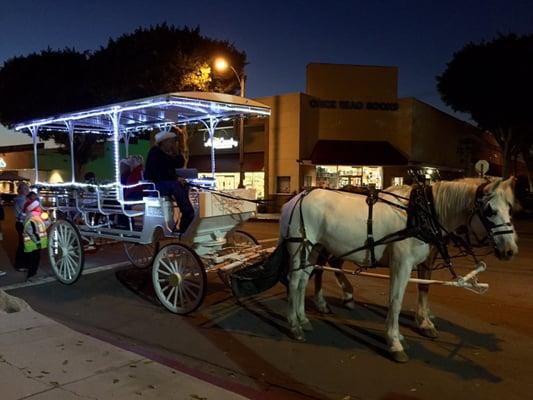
354	105
221	143
2	163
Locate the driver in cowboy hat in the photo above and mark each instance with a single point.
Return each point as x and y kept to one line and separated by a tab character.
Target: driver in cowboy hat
161	163
34	234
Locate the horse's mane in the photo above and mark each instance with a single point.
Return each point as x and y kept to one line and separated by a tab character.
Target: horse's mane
450	196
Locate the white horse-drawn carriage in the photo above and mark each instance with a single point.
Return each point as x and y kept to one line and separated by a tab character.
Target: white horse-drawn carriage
316	224
80	210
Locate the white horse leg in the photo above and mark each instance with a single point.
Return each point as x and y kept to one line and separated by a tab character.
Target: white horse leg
320	301
304	322
400	273
294	298
347	289
422	318
295	276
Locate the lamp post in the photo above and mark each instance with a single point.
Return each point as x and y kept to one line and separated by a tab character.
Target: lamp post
222	65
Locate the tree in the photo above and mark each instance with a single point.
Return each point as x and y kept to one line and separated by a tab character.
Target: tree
493	81
160	59
145	63
43	84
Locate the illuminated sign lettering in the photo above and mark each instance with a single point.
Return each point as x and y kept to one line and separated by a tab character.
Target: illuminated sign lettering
221	143
354	105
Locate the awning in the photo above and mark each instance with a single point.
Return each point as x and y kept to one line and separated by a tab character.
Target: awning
356	152
253	162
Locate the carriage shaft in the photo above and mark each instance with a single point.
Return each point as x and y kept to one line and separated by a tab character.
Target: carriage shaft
461	283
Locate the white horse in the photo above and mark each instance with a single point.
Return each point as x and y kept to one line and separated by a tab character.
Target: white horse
337	222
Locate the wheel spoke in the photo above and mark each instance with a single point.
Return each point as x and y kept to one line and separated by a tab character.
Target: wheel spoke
164	264
176	299
174	265
163	272
186	290
191	283
183	303
171	292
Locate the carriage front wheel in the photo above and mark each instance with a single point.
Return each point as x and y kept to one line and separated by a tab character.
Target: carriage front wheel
65	251
179	278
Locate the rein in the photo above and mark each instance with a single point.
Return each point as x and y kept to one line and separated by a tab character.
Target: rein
422	223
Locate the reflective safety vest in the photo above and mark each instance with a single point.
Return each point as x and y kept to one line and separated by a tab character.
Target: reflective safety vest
30	238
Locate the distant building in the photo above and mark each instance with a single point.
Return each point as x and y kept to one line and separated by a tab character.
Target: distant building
349	127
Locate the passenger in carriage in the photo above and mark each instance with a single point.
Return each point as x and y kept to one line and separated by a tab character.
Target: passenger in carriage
124	169
161	164
135	175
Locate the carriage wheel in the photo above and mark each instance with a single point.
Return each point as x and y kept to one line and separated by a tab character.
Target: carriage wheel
65	251
141	255
240	239
179	278
235	240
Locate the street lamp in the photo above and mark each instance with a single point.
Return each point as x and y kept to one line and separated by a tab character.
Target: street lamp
222	65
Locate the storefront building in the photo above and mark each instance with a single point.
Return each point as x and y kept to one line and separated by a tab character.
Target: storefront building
350	128
17	165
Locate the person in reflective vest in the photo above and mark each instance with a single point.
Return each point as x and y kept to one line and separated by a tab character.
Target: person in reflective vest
35	236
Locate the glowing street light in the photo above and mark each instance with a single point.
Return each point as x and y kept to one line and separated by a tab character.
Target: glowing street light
222	65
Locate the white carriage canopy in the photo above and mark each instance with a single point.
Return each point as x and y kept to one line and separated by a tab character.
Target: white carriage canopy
122	120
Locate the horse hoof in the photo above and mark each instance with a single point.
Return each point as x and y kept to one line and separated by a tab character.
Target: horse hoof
349	304
400	356
324	309
307	327
297	334
431	333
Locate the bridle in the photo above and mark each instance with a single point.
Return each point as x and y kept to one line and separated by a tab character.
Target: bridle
484	211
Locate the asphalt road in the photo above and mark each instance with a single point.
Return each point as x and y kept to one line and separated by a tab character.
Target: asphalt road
484	350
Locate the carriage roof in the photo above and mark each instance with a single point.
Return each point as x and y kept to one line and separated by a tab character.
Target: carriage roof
152	112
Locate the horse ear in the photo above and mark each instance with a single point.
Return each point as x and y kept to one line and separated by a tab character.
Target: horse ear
491	187
510	182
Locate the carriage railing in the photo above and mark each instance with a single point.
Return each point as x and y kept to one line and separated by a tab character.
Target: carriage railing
85	199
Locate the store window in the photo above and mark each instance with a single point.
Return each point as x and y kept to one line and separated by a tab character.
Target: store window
252	180
397	181
284	184
338	176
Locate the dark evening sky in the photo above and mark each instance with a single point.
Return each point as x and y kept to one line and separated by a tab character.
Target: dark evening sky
281	37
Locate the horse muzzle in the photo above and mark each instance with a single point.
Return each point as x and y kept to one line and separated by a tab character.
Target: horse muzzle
505	252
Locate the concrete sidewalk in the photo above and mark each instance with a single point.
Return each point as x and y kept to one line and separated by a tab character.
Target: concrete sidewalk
41	359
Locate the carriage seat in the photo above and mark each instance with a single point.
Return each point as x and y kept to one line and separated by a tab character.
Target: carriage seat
105	202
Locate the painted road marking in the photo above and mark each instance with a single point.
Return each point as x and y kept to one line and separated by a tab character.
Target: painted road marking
49	279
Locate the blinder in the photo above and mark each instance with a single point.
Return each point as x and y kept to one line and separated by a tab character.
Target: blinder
484	211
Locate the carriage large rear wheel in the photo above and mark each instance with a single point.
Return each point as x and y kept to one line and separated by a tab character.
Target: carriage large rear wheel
179	278
65	251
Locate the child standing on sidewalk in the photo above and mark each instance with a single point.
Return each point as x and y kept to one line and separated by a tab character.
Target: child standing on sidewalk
35	237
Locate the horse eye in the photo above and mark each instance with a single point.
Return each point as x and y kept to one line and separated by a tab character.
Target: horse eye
489	212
